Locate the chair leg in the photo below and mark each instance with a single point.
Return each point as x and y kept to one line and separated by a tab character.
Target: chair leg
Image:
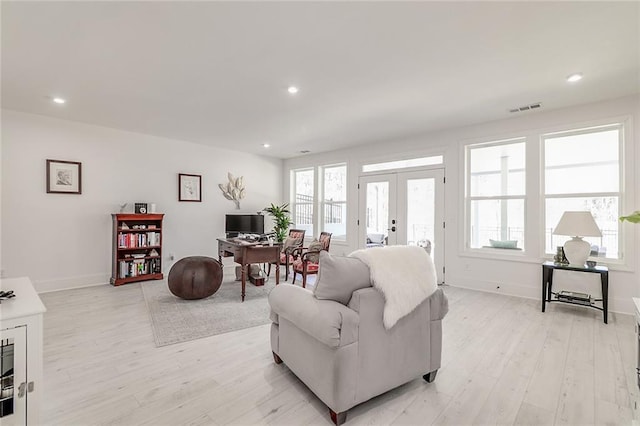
338	418
304	279
293	281
430	377
269	270
276	358
286	271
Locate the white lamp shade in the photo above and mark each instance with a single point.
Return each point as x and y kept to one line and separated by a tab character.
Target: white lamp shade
577	224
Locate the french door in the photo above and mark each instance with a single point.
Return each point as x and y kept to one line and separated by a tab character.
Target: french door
403	208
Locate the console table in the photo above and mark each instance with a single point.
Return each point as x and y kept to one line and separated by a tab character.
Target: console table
246	253
549	296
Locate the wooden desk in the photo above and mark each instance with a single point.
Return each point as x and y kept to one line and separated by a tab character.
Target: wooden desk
247	253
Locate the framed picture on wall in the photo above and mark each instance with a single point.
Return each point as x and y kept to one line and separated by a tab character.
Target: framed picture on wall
64	177
189	187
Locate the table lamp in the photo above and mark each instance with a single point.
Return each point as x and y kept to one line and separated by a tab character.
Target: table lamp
577	225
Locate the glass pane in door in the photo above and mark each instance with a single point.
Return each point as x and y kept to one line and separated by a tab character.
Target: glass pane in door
7	389
420	212
377	214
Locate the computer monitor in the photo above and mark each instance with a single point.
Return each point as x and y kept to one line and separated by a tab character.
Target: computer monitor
244	224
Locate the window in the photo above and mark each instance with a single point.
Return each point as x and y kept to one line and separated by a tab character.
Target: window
495	195
328	201
334	201
302	205
403	164
582	172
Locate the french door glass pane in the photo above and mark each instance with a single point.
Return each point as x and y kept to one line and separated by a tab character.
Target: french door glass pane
420	212
605	211
377	213
499	220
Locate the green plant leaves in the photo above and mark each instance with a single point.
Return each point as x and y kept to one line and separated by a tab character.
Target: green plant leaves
281	219
633	217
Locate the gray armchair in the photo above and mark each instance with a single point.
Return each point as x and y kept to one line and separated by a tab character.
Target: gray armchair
344	354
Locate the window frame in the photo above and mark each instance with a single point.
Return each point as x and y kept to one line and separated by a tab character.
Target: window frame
388	166
468	198
623	201
535	208
292	199
318	203
322	202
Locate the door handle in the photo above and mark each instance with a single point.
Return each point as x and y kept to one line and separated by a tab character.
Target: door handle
392	229
21	389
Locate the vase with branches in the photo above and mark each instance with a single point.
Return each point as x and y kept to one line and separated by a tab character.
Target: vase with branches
281	220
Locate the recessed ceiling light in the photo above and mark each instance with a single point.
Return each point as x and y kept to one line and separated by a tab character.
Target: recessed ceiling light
574	77
59	100
266	145
292	89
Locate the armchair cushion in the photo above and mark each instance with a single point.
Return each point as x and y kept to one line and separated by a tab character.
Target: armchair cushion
314	248
298	266
329	322
290	243
339	277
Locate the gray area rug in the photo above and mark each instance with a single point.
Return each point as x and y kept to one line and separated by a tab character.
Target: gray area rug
175	320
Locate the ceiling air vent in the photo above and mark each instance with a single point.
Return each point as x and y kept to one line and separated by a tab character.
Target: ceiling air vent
526	107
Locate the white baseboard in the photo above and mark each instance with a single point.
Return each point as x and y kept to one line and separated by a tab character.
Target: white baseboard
68	283
618	305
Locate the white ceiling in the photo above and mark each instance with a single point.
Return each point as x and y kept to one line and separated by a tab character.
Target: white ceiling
216	72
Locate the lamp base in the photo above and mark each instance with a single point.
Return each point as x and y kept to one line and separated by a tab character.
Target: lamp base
576	250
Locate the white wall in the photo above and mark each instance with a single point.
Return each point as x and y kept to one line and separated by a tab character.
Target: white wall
516	277
64	240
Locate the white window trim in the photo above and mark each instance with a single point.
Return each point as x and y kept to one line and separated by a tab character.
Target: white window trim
469	198
321	201
624	236
407	156
318	198
535	206
292	194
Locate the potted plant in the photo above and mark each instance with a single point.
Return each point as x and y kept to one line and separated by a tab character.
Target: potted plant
281	220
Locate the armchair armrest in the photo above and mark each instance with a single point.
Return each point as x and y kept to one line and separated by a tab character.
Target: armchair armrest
327	321
374	302
439	305
298	251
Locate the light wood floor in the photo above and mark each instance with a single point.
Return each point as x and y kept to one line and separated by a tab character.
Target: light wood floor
504	362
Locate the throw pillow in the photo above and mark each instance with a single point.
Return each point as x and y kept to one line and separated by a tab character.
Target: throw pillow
290	243
339	277
314	251
506	244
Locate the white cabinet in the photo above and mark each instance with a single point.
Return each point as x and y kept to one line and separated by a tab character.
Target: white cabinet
20	354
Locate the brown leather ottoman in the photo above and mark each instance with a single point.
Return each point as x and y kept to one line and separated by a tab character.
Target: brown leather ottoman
195	277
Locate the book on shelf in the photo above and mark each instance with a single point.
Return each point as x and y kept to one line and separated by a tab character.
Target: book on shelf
134	240
136	267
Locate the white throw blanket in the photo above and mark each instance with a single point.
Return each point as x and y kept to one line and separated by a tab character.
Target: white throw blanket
405	275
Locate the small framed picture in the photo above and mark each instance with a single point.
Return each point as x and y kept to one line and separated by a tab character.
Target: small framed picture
64	177
189	187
